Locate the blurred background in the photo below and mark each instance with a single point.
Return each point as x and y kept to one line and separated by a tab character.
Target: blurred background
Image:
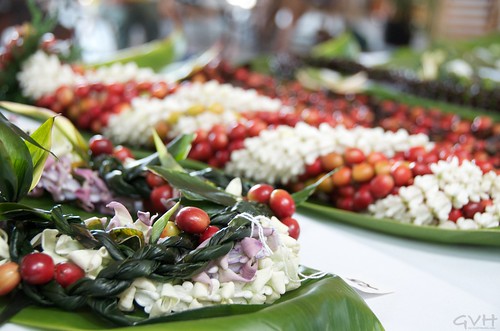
250	27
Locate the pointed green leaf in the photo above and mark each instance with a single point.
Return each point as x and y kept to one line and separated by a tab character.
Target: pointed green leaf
179	147
43	135
166	159
160	224
62	124
8	179
482	237
23	135
154	55
343	46
20	160
304	194
194	185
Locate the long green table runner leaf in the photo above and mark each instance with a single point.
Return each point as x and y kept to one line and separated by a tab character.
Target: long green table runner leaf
484	237
318	304
381	91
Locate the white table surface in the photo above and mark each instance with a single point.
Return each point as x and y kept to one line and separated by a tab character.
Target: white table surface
434	285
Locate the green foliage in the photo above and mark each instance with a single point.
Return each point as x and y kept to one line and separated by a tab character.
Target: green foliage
21	158
160	224
343	46
483	237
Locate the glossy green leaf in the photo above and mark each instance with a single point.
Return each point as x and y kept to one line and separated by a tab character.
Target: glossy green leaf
62	124
23	135
304	194
484	237
318	304
14	186
344	46
380	91
195	185
130	237
179	147
43	135
166	160
160	223
155	55
179	70
8	179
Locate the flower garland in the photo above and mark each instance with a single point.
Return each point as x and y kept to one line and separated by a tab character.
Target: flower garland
281	155
193	106
42	74
455	196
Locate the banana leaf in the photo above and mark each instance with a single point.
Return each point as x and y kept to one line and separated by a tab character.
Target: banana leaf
483	237
318	304
465	112
155	55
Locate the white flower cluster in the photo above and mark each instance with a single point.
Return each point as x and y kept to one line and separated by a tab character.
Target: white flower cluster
280	155
122	73
135	124
431	198
276	274
43	74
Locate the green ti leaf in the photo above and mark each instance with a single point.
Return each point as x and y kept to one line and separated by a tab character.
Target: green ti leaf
43	135
166	159
304	194
195	186
17	168
160	224
62	125
179	147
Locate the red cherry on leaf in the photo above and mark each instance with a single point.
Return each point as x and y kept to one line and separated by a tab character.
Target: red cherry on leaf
37	268
67	273
470	209
192	220
154	180
314	168
9	277
201	151
381	186
237	131
159	194
455	214
260	193
123	153
362	199
293	227
354	155
218	140
401	174
281	203
99	145
208	233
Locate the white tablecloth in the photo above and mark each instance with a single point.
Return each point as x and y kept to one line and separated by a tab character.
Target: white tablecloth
436	287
